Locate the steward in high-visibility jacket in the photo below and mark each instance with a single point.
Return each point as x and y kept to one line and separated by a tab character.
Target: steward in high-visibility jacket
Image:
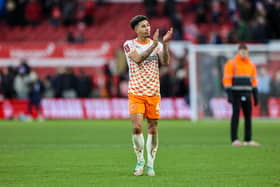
240	82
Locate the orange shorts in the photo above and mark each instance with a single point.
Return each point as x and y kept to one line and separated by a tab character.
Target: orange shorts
147	105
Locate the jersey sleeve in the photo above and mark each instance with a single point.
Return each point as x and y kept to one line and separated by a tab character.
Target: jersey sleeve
128	47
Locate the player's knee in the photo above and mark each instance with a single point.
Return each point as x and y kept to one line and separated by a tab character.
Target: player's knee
152	127
137	130
152	130
137	125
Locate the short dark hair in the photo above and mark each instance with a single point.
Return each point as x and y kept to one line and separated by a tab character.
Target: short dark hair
242	46
136	19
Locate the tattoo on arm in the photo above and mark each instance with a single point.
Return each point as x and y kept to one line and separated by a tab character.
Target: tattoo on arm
146	53
142	57
165	55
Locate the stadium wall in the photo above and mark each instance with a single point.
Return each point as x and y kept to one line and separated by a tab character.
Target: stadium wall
102	108
116	108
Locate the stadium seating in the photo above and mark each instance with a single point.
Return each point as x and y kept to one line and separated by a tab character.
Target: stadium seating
107	25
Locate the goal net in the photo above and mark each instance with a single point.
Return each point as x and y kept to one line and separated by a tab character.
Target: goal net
207	96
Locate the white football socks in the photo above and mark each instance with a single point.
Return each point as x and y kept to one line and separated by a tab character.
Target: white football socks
152	146
138	145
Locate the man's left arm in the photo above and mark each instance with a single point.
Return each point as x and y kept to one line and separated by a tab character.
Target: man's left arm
164	54
255	86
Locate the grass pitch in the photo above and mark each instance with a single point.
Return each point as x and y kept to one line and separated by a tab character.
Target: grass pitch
99	153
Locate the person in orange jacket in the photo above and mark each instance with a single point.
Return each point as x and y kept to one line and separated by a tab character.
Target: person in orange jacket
240	83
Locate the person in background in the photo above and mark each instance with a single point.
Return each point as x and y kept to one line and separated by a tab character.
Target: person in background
21	83
240	82
7	83
276	85
84	84
36	90
264	90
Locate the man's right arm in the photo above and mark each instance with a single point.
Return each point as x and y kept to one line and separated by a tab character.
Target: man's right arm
228	75
138	58
227	80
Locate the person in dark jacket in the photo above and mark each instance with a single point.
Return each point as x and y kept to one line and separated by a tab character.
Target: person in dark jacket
7	83
84	85
36	90
240	82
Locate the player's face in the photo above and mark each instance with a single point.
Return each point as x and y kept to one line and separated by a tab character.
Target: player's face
243	53
143	29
